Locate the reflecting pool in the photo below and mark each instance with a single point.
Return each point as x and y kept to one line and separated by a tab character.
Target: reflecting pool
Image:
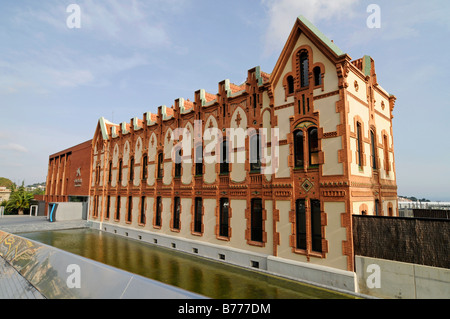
203	276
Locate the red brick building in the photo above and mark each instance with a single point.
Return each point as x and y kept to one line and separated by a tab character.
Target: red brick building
68	175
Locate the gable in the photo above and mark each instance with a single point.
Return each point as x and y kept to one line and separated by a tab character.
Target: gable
304	32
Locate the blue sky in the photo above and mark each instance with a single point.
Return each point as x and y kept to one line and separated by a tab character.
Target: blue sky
129	57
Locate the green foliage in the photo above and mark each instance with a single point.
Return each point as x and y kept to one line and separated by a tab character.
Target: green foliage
18	201
6	183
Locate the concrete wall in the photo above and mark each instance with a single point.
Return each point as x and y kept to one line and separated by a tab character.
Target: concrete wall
69	211
392	279
302	271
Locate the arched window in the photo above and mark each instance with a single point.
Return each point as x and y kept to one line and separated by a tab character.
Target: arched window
386	153
304	69
313	142
199	160
290	83
224	160
120	170
298	148
132	170
178	162
110	171
160	165
255	153
373	149
317	76
144	167
359	144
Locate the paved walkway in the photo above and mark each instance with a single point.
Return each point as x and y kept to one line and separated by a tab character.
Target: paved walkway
16	224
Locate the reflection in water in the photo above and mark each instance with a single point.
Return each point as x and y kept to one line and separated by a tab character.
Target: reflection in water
205	277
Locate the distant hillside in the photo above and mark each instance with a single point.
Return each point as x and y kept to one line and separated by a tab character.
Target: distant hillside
5	182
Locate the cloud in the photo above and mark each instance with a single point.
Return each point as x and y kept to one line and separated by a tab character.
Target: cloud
13	147
282	15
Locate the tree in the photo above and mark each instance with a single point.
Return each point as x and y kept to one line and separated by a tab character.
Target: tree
19	200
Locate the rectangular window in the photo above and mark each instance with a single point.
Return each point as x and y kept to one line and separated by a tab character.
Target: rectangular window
386	153
132	170
117	217
316	226
300	224
199	160
110	171
255	153
223	218
130	207
224	166
373	155
256	219
144	167
160	165
108	204
359	144
158	211
142	214
176	213
120	170
198	215
178	163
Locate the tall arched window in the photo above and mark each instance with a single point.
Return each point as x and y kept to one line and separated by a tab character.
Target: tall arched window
313	143
373	149
298	148
304	69
160	165
110	171
317	76
178	162
290	83
359	144
132	170
224	160
199	160
386	153
120	170
255	153
144	167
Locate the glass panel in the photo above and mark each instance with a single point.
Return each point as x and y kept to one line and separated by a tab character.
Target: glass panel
176	213
198	215
223	219
158	211
298	148
304	69
256	231
316	228
224	166
372	140
313	146
255	153
300	224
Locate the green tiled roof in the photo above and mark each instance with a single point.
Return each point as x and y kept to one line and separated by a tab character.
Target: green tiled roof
321	36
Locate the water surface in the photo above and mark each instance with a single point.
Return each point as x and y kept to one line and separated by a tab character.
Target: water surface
206	277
